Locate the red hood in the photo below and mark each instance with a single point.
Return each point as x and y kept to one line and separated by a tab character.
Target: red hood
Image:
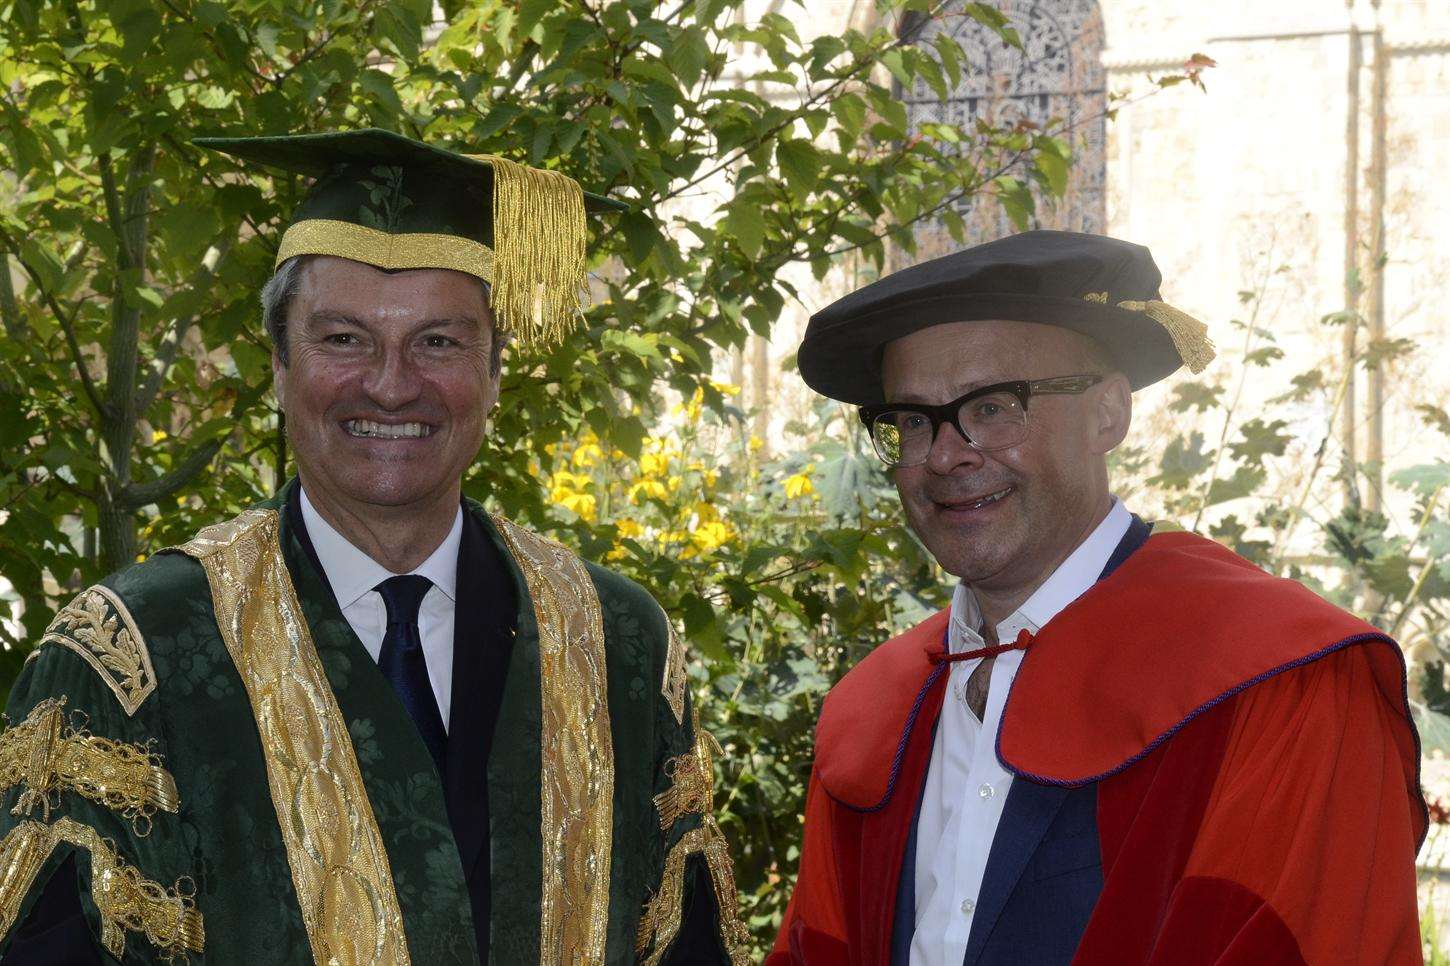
1182	624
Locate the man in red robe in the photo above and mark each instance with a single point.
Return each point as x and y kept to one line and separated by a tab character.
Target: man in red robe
1115	746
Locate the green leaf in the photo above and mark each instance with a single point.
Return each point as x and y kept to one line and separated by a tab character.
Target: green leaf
1259	438
1425	479
744	223
801	163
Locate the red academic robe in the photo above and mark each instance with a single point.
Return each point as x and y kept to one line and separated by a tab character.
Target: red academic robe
1258	796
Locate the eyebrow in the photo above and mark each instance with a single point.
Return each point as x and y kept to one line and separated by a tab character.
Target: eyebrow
961	389
325	316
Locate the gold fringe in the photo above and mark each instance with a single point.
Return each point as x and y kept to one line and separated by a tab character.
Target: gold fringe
125	899
692	781
49	758
1190	336
692	792
539	238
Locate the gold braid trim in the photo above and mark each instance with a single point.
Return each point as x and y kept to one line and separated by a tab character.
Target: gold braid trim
49	758
692	792
675	677
664	912
343	239
125	900
539	239
340	869
576	808
97	626
692	775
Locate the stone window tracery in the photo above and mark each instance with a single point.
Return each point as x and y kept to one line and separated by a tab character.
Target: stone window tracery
1058	74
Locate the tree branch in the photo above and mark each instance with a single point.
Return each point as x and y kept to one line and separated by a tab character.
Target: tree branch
66	322
133	496
9	309
166	352
136	495
113	209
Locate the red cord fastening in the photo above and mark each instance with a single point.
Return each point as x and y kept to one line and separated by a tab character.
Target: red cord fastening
1024	638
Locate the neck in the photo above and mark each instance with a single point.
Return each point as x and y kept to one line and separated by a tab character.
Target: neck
399	538
997	601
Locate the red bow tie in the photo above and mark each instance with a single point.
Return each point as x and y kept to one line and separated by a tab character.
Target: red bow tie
1024	638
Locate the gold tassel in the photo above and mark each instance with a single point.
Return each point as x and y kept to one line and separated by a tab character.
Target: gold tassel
1190	336
539	239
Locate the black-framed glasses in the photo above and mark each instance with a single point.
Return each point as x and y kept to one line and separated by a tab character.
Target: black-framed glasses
989	418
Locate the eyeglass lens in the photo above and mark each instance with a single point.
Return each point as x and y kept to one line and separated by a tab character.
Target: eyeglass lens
903	437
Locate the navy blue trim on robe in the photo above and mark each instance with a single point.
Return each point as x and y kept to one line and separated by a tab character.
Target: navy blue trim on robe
1044	871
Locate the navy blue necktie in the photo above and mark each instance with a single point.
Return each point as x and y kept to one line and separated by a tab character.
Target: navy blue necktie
402	661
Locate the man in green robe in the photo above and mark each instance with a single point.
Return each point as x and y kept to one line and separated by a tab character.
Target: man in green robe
365	721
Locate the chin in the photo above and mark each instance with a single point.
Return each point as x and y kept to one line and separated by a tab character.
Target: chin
382	492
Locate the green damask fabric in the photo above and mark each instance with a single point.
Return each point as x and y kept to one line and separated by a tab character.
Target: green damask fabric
225	837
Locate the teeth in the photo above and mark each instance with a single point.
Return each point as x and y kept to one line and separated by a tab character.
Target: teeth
369	429
992	498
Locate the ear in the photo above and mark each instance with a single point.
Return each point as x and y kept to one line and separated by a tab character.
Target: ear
1112	413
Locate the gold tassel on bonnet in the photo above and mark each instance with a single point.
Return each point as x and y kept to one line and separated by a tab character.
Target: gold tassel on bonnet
1189	335
539	251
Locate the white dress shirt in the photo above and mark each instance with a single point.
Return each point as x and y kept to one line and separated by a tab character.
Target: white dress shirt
353	575
966	786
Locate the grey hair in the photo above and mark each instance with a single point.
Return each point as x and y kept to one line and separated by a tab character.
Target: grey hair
281	289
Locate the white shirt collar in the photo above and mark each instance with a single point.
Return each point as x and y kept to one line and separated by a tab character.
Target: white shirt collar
352	573
1067	583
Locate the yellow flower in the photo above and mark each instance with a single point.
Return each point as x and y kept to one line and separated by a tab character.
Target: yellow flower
158	435
563	479
675	482
691	410
588	454
649	488
756	443
710	478
709	536
799	485
652	464
628	528
725	388
706	512
581	503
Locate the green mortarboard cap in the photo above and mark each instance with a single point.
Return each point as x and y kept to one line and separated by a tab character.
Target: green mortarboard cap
396	203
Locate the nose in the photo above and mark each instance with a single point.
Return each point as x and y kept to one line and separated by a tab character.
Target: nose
950	450
393	380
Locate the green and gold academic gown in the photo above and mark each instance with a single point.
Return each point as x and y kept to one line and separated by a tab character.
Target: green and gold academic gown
205	744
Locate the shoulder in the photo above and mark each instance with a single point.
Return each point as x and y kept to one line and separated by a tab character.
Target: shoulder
1182	572
110	627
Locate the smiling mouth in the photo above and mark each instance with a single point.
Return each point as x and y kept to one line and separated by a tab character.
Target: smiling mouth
367	429
979	503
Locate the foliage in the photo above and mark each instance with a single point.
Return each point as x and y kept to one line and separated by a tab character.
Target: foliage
134	375
1262	480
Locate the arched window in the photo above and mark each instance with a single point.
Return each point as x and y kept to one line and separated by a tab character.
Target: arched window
1058	74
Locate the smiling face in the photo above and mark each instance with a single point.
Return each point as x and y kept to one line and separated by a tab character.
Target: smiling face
1004	520
387	385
